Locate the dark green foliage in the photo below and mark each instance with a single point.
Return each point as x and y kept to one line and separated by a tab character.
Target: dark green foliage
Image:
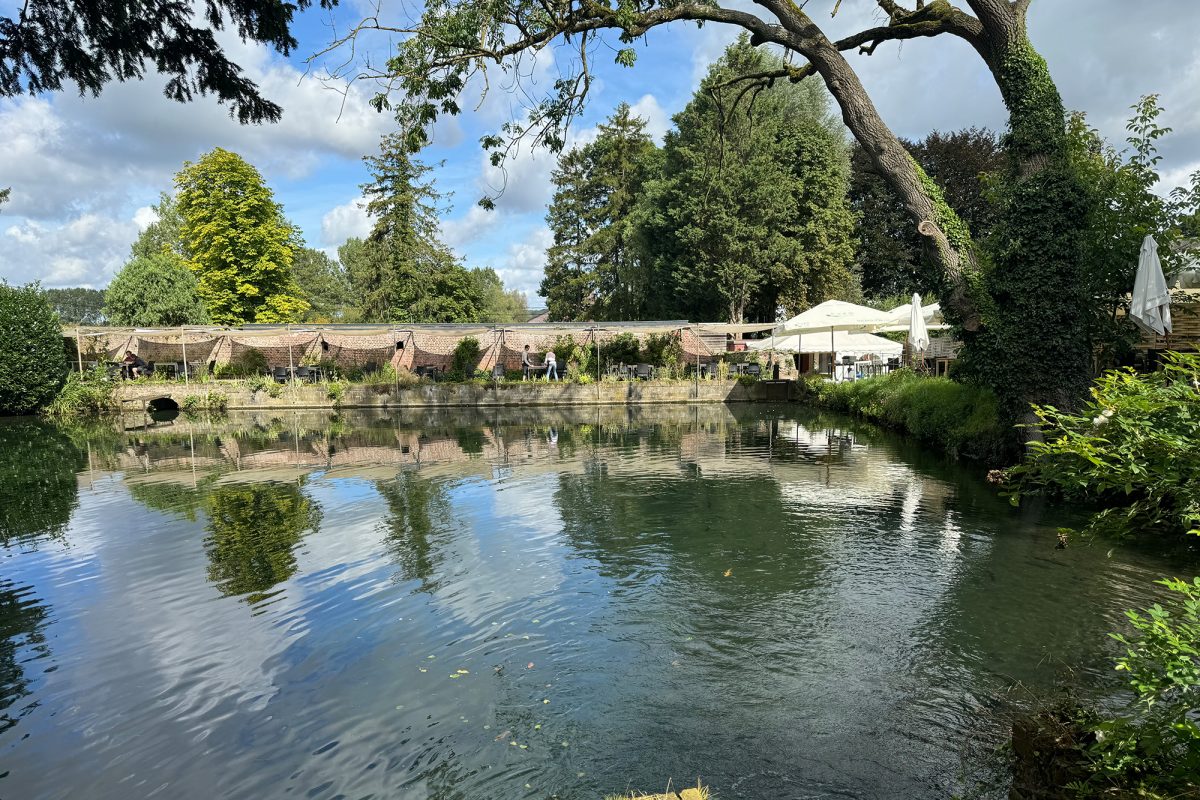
77	306
33	362
23	617
85	43
403	272
418	509
620	349
750	213
495	303
891	255
37	494
594	269
165	234
83	395
156	290
253	531
464	359
323	283
1133	449
958	419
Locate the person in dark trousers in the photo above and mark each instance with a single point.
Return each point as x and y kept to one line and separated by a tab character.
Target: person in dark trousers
527	365
132	366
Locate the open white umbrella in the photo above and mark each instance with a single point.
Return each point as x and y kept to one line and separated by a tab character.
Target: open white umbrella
833	315
918	335
844	342
1150	308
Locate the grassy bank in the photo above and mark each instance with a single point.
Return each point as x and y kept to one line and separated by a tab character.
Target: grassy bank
958	419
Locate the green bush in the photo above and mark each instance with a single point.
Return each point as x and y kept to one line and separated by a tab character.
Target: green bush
663	350
33	364
1133	450
1152	748
960	419
620	349
83	395
464	359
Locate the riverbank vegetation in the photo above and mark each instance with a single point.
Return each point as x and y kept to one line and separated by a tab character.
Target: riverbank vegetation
1132	452
33	363
1146	747
959	419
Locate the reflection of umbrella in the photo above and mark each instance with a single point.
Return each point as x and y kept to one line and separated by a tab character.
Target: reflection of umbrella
1151	305
918	336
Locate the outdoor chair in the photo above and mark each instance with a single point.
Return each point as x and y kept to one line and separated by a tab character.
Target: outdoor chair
754	369
498	373
643	372
370	368
301	373
280	374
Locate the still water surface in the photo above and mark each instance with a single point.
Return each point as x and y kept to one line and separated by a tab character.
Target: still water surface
521	604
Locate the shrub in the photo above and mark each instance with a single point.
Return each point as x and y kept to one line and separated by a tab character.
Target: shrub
83	395
567	352
1152	750
258	383
620	349
335	391
1134	449
33	364
216	401
960	419
464	359
663	350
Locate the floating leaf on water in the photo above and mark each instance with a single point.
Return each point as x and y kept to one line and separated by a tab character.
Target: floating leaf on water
464	672
455	675
537	727
529	665
546	702
536	621
729	572
422	669
524	747
564	744
502	736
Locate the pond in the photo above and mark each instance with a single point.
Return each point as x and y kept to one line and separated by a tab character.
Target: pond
523	604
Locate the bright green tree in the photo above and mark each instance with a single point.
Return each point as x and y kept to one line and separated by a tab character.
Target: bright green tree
238	242
165	234
594	268
154	291
33	362
750	215
323	282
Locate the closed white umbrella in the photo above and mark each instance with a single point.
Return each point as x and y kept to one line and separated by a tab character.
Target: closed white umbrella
1150	308
918	335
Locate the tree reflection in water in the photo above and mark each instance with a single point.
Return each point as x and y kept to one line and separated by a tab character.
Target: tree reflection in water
253	530
21	620
38	489
417	509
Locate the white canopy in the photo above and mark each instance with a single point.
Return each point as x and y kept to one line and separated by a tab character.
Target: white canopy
1151	305
918	336
844	342
834	315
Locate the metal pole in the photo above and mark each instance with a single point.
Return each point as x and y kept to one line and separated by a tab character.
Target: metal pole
79	349
832	357
183	344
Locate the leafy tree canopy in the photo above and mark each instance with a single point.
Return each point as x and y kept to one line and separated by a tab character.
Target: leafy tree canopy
77	306
152	291
238	243
33	362
496	304
323	283
51	43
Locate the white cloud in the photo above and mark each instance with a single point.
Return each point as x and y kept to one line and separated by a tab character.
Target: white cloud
144	217
470	227
345	221
525	262
86	250
657	119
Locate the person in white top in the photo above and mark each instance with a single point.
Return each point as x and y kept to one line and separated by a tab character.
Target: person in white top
551	367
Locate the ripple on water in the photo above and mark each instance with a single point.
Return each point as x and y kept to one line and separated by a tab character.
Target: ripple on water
532	605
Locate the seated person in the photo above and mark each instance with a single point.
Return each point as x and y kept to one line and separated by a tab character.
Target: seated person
132	366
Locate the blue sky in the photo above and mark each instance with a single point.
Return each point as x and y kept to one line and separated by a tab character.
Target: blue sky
84	171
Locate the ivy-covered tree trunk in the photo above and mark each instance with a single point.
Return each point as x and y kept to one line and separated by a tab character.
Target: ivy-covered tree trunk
1033	345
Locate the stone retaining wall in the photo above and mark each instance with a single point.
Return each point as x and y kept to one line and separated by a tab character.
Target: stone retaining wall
238	395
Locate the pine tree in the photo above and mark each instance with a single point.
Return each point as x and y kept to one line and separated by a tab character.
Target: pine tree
594	269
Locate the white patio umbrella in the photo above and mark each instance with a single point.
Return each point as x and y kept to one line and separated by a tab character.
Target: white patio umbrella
845	342
918	335
1150	308
833	315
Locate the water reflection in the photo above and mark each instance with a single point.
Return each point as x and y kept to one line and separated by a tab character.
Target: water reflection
526	604
253	531
418	509
37	470
22	642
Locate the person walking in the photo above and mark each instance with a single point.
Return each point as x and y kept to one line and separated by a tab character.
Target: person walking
551	366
